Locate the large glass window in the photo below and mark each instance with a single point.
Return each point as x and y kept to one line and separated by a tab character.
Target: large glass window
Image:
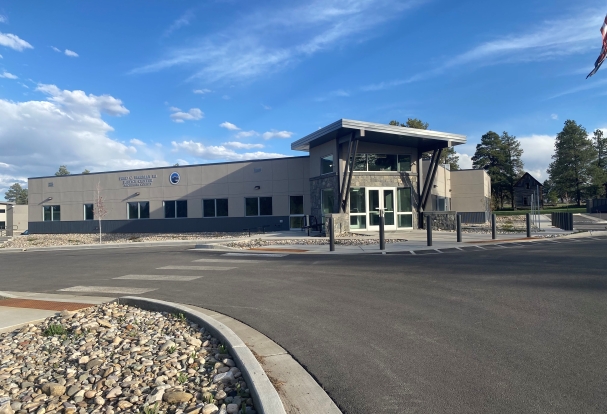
382	162
404	208
358	209
258	206
89	212
138	210
326	164
176	209
327	201
51	213
296	212
216	207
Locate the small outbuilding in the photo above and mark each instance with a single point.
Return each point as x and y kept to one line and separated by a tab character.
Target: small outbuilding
526	189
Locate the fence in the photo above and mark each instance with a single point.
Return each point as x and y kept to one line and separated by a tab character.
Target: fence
596	205
563	221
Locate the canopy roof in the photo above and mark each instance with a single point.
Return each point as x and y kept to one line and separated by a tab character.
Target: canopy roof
423	139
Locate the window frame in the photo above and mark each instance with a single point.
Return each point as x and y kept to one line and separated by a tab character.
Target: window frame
297	215
397	170
215	209
323	158
398	207
84	211
128	215
258	206
52	212
358	214
176	210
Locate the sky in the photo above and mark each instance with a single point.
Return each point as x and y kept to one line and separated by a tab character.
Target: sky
122	85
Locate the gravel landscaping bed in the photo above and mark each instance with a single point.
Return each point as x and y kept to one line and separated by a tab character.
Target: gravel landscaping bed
247	244
118	359
49	240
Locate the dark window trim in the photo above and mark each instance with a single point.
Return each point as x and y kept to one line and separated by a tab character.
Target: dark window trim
215	203
174	201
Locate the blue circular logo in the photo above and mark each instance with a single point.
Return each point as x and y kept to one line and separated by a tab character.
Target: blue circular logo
174	178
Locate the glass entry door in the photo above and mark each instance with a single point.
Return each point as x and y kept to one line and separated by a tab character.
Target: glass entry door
381	198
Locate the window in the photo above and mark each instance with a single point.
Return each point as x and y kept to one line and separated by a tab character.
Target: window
89	212
404	208
138	210
326	164
382	162
296	212
216	207
175	209
2	210
358	209
527	186
51	213
327	201
442	204
258	206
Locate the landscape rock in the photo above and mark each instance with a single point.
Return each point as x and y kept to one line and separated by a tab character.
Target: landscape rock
53	389
210	409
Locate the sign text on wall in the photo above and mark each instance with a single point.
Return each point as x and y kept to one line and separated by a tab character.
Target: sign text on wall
137	180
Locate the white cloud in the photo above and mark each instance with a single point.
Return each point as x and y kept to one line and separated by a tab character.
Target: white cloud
174	109
276	134
56	49
202	91
271	38
70	53
550	39
14	42
554	116
219	152
340	93
193	114
137	142
184	20
247	134
266	107
537	154
465	161
242	145
1	57
230	126
7	75
80	102
37	136
3	19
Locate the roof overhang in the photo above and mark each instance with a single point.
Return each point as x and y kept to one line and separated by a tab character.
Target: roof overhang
423	139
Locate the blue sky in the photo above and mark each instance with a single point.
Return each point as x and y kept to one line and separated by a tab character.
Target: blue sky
115	85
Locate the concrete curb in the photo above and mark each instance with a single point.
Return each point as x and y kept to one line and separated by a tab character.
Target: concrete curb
265	395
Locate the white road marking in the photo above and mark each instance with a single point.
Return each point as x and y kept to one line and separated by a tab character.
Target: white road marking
159	277
228	261
107	289
195	268
256	254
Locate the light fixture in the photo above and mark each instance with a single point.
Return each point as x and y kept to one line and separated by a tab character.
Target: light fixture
49	199
257	187
435	186
136	194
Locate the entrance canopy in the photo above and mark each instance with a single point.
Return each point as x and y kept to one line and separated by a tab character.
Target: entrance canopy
425	140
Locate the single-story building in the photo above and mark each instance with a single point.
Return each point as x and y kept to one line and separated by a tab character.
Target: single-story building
3	209
353	170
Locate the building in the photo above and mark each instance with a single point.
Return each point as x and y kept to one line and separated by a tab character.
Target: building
3	209
353	171
527	189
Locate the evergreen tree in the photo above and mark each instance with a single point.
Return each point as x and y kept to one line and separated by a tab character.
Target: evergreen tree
86	171
574	162
491	157
62	171
16	194
448	156
600	144
513	164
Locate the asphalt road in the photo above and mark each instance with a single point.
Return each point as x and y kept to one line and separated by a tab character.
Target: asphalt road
517	330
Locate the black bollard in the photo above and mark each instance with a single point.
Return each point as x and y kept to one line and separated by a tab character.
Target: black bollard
382	233
459	228
331	235
528	216
429	229
493	227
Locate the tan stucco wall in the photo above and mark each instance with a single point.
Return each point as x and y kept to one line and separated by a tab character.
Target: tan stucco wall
16	219
278	178
470	190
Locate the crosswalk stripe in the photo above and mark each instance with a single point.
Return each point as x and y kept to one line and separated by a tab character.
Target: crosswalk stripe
107	289
195	268
159	277
256	254
246	261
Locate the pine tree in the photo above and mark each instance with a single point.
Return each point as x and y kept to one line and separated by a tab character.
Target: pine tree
513	164
600	143
16	194
491	157
574	162
62	171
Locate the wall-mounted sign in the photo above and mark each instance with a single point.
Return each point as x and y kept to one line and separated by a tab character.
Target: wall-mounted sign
137	180
174	178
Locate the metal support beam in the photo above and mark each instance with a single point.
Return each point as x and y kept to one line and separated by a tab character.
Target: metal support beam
347	189
432	174
343	181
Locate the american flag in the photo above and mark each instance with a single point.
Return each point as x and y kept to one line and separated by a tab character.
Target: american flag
603	54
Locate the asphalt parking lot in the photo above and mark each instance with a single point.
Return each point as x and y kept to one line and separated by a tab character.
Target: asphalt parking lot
518	329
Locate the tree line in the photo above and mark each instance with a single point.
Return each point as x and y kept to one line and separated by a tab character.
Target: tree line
18	194
578	170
